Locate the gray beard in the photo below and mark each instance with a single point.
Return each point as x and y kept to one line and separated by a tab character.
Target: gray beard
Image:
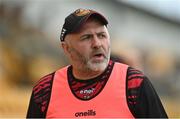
98	66
87	65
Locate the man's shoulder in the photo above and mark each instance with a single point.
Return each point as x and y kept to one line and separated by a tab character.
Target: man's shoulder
43	84
134	82
45	79
135	78
48	78
42	91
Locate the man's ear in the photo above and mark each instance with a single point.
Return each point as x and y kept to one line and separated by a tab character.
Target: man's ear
65	47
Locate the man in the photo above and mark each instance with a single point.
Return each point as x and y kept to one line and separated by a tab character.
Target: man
93	86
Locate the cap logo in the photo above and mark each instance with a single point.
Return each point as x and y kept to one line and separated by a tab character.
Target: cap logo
81	12
62	34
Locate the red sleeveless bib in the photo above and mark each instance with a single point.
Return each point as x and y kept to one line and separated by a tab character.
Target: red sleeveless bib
109	103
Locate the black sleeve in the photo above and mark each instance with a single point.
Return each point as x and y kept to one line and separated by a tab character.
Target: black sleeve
40	97
34	111
149	104
143	100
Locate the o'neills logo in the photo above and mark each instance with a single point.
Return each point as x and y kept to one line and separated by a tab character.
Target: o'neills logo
84	114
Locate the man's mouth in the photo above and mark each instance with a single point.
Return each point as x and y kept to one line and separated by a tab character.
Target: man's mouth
99	56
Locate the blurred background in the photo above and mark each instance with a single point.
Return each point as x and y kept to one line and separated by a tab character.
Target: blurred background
144	34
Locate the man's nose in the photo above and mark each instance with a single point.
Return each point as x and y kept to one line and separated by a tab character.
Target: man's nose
96	42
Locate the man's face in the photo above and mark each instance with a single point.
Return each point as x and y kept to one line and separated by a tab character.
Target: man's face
89	48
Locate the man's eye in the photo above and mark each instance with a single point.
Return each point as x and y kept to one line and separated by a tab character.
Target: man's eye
86	37
101	36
